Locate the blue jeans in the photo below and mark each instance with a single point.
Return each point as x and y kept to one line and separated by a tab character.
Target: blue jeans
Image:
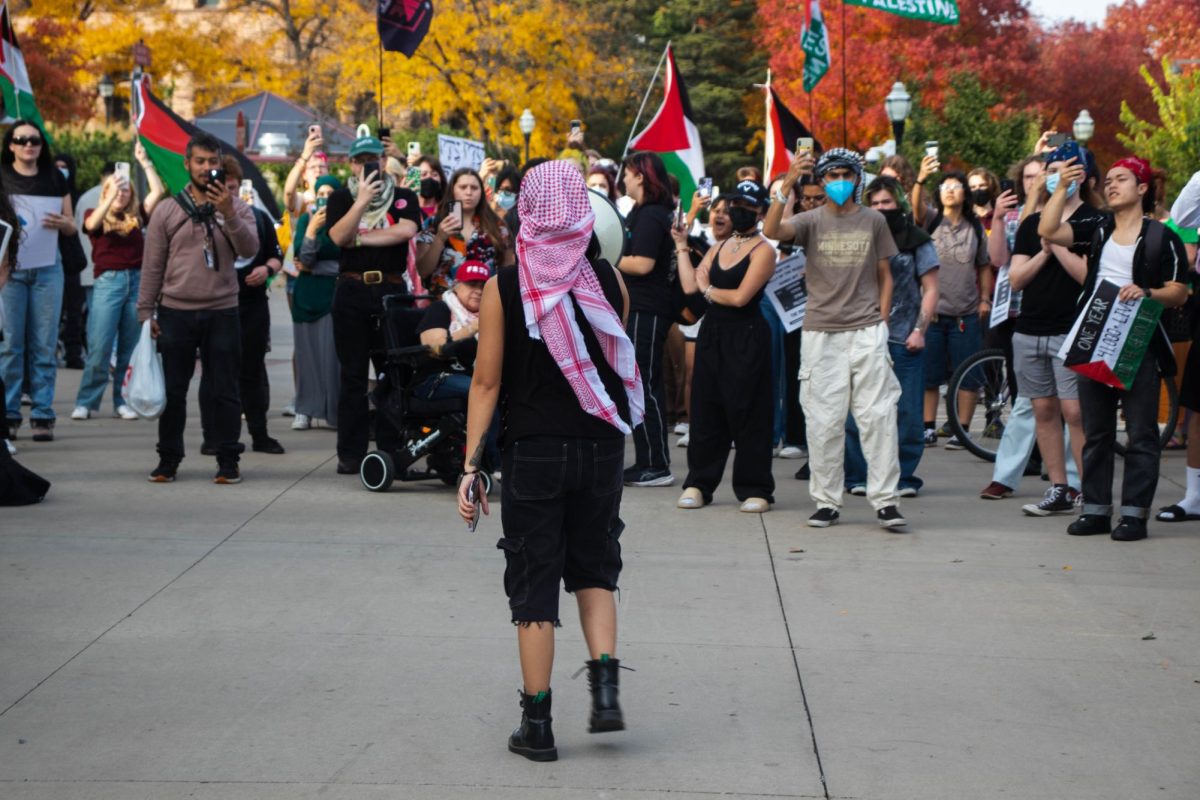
112	316
778	372
948	342
457	384
32	307
910	371
1017	444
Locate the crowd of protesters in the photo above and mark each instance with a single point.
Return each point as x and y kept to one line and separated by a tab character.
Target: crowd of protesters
900	269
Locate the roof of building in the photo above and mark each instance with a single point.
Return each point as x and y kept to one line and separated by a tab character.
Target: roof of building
268	113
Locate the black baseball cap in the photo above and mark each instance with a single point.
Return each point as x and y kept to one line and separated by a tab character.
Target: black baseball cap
749	191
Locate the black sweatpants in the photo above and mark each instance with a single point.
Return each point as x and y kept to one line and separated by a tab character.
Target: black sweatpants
253	387
648	332
358	339
731	401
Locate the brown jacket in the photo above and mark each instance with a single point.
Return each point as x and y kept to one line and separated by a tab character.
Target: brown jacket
174	272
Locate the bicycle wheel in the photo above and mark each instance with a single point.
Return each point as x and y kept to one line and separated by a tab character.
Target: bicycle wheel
1166	429
984	375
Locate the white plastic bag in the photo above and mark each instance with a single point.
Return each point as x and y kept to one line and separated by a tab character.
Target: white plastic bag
144	389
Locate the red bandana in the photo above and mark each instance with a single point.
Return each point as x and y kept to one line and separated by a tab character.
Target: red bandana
1139	167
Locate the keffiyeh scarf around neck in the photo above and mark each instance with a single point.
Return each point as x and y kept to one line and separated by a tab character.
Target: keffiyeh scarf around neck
460	317
376	214
556	228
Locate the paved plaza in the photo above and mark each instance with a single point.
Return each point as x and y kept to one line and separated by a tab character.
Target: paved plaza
297	637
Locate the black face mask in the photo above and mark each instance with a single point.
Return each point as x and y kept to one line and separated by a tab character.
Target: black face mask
431	187
743	220
897	220
981	197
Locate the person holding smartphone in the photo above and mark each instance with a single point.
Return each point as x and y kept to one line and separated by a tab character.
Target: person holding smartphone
563	443
298	191
116	228
465	229
373	221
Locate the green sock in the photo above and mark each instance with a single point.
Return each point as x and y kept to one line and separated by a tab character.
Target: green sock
604	658
540	697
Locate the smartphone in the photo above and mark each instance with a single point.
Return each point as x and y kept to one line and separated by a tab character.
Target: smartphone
716	192
1007	186
413	175
931	149
322	202
804	143
385	133
456	211
246	192
1057	140
314	129
576	124
216	176
370	170
475	498
414	148
121	170
706	186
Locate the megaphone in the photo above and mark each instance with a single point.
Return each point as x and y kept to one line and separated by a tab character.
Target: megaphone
609	228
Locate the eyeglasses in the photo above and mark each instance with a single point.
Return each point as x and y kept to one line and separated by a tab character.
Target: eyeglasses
27	141
952	187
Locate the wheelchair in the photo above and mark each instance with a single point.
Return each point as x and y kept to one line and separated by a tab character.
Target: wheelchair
431	430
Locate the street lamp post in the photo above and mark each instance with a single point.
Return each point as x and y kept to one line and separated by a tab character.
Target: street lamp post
527	124
898	104
1083	127
107	88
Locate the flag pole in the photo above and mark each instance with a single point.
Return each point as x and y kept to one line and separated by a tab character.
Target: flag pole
645	99
379	121
767	127
845	137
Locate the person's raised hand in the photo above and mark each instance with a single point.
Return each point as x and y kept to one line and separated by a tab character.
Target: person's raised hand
219	196
680	236
316	222
701	199
390	150
929	166
449	225
575	139
313	143
1006	202
368	189
139	153
1043	143
1073	172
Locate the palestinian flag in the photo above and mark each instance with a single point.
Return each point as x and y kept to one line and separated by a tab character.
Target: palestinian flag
15	88
165	135
1111	336
674	136
783	129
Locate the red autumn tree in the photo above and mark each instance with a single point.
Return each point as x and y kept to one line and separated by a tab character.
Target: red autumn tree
54	89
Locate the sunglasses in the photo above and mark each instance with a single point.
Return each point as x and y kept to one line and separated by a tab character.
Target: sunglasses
27	141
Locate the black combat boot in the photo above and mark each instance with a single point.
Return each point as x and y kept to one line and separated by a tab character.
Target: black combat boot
606	710
534	739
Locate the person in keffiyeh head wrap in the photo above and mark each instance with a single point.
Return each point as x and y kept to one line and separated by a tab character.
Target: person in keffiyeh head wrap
554	354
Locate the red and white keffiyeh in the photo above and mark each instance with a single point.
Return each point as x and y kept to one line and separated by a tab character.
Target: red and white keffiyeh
556	227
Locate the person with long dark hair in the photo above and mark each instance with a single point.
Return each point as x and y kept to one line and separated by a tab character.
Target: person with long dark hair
557	315
33	295
465	229
7	259
647	269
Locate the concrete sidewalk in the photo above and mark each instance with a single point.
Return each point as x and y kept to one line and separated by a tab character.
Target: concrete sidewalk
297	637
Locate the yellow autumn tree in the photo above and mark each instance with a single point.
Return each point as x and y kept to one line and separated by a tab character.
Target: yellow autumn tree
483	63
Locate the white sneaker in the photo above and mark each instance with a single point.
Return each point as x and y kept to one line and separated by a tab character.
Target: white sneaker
755	505
12	448
681	428
81	412
125	412
683	440
289	410
792	451
302	422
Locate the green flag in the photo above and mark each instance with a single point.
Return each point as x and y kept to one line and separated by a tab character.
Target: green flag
815	44
944	12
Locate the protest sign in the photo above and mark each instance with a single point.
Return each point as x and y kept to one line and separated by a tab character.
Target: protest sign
944	12
456	153
1005	302
788	292
1110	337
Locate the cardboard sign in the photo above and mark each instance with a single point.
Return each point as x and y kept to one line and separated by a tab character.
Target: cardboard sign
456	153
1110	337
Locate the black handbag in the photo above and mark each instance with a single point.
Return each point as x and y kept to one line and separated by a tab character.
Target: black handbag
73	258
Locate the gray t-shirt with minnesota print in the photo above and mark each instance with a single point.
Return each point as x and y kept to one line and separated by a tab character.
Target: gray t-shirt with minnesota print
843	253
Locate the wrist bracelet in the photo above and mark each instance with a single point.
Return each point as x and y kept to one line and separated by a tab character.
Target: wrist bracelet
708	294
780	196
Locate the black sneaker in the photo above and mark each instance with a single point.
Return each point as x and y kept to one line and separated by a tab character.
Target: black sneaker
823	518
930	437
227	474
955	443
1090	525
43	430
889	517
1130	529
1057	500
164	472
348	466
803	473
650	477
267	445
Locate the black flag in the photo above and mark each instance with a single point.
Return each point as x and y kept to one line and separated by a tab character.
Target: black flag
403	24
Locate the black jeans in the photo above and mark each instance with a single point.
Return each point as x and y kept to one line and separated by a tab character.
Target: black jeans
648	332
796	432
560	500
253	387
732	400
218	337
74	330
1098	403
359	341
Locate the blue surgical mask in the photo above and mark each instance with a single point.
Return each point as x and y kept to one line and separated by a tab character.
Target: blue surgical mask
1052	185
66	173
839	191
506	200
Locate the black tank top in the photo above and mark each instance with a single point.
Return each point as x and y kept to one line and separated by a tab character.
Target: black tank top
732	278
535	398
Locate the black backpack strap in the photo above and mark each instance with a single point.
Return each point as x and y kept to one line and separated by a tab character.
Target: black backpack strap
1152	243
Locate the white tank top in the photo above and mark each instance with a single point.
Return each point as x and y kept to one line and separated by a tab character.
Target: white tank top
1116	263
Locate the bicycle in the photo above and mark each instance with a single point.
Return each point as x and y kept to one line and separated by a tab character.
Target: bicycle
988	371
